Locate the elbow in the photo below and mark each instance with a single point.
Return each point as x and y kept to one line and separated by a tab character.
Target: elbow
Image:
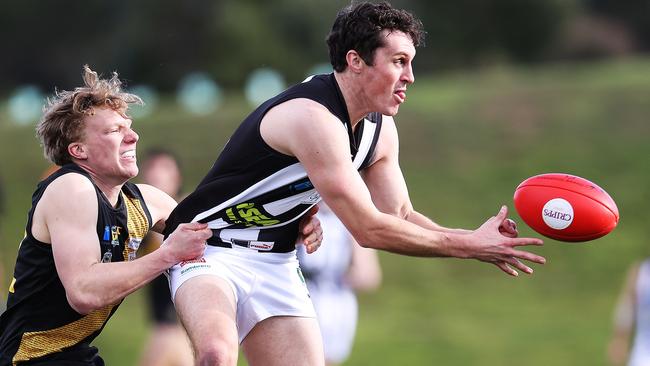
404	212
401	211
369	237
374	231
83	303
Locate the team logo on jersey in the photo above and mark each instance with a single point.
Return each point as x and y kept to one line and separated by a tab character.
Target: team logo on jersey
134	243
115	235
107	233
248	215
108	256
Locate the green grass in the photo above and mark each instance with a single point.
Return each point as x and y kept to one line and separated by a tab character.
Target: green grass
467	140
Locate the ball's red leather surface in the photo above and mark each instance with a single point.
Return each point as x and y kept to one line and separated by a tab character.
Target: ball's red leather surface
565	207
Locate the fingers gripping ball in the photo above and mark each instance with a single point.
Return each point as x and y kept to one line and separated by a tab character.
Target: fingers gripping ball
566	207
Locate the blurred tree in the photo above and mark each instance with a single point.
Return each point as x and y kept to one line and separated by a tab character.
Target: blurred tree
467	32
41	38
635	14
158	42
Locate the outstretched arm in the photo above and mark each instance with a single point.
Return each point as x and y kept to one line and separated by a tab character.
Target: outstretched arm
322	146
389	193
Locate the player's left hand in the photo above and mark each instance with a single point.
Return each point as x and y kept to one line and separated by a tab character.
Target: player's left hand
310	233
509	228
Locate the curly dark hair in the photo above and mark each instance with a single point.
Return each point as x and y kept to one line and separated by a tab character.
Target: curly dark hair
63	118
358	27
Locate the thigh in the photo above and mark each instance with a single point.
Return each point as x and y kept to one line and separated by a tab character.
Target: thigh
295	341
206	307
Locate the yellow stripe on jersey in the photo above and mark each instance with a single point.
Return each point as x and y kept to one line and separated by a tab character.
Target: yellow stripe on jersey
138	226
38	344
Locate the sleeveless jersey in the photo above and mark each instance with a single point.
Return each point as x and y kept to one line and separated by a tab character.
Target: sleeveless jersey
640	354
254	195
39	323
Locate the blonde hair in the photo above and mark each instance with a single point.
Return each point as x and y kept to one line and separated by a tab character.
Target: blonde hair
63	116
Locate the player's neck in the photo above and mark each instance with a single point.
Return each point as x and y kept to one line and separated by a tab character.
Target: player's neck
353	95
107	185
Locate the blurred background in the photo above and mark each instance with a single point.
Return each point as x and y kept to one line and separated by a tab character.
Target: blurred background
505	89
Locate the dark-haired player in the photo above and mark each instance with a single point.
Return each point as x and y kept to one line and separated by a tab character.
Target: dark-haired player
331	137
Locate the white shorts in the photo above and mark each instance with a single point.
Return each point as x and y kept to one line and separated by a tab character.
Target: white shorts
264	284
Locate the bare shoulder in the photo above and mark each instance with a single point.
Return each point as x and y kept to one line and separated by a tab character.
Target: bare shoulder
297	108
70	190
297	114
388	129
150	193
294	123
155	197
69	200
160	204
388	143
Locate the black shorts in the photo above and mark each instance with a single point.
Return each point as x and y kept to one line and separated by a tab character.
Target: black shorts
160	302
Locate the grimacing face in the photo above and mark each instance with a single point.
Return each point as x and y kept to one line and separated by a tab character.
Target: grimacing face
109	146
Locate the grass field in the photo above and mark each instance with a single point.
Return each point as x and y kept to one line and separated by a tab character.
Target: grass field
467	140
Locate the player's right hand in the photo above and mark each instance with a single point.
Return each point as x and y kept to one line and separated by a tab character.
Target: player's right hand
188	241
492	245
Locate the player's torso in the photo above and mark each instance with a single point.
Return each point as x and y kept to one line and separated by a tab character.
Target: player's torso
253	196
643	306
640	352
38	320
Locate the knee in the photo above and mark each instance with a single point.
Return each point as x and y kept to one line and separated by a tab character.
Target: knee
218	352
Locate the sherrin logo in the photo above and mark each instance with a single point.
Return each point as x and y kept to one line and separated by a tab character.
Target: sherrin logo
557	213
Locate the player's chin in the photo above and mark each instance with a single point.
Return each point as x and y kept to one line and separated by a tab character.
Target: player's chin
130	171
391	111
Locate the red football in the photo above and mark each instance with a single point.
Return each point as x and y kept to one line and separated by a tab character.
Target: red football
565	207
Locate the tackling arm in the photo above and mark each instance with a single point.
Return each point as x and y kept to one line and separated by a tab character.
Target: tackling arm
70	227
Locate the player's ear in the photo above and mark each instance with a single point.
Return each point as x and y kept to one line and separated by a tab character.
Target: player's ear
354	60
77	150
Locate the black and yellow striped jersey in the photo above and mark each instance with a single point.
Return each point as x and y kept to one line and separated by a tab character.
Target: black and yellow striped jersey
39	323
254	195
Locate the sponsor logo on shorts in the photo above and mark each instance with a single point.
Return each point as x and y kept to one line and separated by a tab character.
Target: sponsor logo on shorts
192	261
194	266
